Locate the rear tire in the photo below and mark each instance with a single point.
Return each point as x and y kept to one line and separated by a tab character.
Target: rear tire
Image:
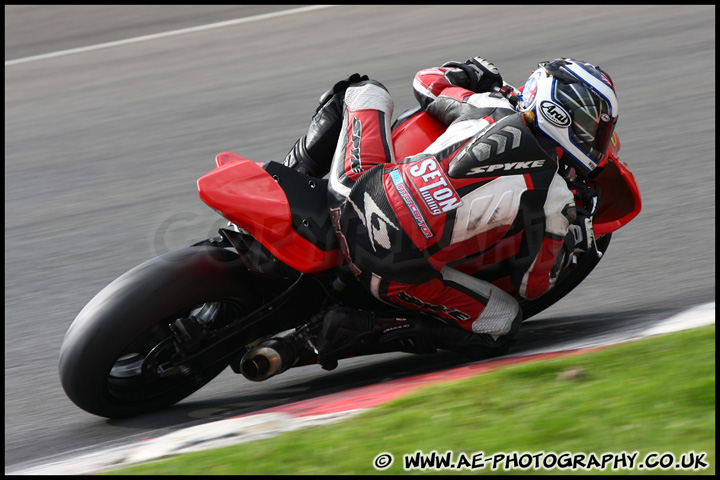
106	366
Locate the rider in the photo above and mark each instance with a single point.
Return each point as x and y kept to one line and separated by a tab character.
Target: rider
415	230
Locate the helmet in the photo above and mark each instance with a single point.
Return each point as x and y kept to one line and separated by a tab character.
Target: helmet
574	104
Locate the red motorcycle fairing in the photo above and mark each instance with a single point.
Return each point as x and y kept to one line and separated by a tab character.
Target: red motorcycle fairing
620	199
244	193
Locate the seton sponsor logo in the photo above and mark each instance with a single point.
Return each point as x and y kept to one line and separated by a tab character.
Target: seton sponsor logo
433	186
554	114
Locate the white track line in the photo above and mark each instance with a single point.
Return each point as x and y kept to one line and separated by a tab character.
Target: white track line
695	317
219	434
171	33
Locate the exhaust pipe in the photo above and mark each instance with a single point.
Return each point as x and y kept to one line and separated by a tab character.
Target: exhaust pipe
267	359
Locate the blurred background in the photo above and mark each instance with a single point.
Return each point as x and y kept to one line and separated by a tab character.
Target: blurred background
103	147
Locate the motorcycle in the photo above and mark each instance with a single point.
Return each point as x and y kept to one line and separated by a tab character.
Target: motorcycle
250	297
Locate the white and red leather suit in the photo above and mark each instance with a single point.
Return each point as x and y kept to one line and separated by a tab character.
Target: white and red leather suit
419	232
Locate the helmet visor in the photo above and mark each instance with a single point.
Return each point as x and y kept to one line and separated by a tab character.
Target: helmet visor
592	120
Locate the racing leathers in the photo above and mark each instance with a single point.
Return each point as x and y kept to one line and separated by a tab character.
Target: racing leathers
419	232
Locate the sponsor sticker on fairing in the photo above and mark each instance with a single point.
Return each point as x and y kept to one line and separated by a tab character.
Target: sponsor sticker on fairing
433	186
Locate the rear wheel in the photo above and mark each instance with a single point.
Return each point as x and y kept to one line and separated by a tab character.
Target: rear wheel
119	357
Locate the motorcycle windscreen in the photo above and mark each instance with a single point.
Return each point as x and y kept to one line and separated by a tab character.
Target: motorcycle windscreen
244	193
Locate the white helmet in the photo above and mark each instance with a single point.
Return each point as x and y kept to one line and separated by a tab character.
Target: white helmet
574	104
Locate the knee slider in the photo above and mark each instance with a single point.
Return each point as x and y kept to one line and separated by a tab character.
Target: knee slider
369	95
340	87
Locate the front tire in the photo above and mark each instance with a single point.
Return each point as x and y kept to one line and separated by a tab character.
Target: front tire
109	355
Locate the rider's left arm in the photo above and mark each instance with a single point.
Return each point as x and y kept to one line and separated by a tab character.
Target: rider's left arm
430	83
541	275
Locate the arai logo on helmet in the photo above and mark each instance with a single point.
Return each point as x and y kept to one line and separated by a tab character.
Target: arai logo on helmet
554	114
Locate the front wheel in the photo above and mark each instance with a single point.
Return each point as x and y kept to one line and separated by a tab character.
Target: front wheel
112	358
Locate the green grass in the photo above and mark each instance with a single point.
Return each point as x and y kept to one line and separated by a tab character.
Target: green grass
654	395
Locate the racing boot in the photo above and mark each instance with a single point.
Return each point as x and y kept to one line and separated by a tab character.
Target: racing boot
350	332
475	346
313	153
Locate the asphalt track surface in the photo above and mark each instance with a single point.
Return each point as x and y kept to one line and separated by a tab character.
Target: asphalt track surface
103	147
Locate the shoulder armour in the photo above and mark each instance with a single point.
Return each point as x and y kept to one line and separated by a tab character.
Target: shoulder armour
507	147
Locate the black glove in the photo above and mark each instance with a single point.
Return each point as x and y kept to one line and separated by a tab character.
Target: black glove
482	75
580	215
579	238
581	231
